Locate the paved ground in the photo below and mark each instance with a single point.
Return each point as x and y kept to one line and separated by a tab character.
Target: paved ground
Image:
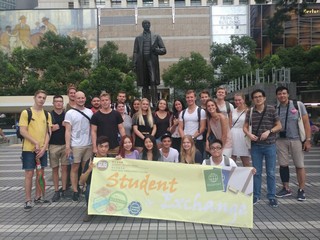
63	220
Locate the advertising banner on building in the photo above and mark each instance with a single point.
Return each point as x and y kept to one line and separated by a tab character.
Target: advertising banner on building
25	28
171	191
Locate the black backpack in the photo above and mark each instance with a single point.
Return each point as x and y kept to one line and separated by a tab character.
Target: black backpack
29	120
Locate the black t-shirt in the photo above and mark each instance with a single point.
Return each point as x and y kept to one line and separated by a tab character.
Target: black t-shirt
58	137
107	125
162	124
144	129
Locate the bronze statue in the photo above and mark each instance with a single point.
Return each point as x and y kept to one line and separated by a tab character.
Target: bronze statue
147	47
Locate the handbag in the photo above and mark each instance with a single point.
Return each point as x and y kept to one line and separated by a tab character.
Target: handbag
302	132
246	138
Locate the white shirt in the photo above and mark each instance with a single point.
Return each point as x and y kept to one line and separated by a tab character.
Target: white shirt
173	156
232	163
191	121
80	127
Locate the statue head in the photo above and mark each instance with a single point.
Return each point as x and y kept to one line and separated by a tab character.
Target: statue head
146	25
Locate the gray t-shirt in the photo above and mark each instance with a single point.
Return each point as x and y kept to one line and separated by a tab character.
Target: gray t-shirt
292	131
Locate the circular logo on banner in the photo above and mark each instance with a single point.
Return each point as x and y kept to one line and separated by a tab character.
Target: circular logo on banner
213	177
102	165
134	208
119	199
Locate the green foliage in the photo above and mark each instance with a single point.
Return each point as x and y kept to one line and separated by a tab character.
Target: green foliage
13	70
110	58
270	62
304	65
189	73
60	60
235	59
112	74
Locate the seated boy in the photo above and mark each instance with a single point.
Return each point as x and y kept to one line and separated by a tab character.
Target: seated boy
85	178
217	158
168	154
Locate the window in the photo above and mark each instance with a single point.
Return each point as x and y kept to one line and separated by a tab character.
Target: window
195	2
70	4
148	3
243	2
163	3
227	2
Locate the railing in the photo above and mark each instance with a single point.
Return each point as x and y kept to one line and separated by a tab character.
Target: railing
281	75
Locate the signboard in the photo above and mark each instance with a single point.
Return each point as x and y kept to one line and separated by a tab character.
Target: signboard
227	21
172	191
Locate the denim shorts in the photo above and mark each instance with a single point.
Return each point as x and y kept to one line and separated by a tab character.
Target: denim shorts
29	160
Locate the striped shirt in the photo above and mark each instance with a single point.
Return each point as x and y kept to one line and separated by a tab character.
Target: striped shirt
269	120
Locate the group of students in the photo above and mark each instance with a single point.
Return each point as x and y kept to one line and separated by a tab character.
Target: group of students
189	134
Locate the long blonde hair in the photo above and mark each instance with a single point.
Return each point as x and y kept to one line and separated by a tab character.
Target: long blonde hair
149	114
183	152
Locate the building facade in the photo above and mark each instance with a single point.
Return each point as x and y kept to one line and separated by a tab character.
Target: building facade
7	4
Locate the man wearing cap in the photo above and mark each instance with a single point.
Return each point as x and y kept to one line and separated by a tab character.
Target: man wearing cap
49	26
168	154
23	31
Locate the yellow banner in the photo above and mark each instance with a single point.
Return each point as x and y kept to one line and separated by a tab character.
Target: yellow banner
172	191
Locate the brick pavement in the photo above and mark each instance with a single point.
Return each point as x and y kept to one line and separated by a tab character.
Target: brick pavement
63	220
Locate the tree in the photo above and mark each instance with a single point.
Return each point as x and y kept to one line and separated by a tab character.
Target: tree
270	62
56	62
312	68
112	74
304	65
13	71
189	73
110	58
234	59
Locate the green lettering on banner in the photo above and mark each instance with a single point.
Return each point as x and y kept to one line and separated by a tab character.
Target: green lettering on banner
213	179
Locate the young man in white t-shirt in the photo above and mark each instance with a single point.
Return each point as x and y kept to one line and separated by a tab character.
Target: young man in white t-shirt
168	154
193	121
78	138
224	106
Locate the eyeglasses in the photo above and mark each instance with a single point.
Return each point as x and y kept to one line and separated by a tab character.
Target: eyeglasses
256	97
215	148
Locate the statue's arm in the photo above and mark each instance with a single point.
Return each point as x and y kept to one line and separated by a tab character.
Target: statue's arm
160	49
135	53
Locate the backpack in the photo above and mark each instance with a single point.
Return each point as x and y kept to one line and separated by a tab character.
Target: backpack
225	159
228	107
29	120
199	116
